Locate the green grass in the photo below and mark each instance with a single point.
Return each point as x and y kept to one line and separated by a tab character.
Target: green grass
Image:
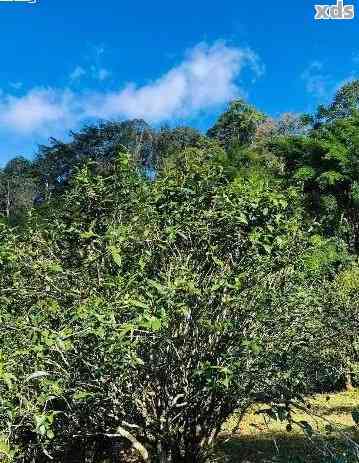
260	439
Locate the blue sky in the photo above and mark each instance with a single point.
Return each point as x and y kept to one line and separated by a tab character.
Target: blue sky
68	62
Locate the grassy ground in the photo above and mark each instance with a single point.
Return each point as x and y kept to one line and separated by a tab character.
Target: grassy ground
260	439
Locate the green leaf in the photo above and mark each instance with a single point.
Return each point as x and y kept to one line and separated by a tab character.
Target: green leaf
218	261
82	395
161	289
5	448
50	434
116	256
267	248
139	304
36	375
55	267
88	235
8	379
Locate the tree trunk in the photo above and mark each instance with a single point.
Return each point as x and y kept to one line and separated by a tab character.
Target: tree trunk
8	200
348	382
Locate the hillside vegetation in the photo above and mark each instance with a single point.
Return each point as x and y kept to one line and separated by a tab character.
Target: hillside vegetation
156	283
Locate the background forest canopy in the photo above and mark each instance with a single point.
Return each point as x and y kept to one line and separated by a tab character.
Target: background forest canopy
317	149
152	282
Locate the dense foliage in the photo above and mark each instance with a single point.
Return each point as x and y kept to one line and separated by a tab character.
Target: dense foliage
153	282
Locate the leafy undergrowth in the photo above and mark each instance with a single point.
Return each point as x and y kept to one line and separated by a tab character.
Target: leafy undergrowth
261	439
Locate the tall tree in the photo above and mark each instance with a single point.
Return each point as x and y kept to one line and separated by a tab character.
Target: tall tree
237	125
17	188
344	104
56	162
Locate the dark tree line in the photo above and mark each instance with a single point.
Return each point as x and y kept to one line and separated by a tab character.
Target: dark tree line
319	151
24	183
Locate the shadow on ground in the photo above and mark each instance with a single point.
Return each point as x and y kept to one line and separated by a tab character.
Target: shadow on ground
236	449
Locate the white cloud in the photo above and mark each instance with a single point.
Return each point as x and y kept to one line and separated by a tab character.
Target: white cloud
39	110
94	72
316	82
205	79
100	74
16	85
99	50
77	73
355	57
103	74
324	86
